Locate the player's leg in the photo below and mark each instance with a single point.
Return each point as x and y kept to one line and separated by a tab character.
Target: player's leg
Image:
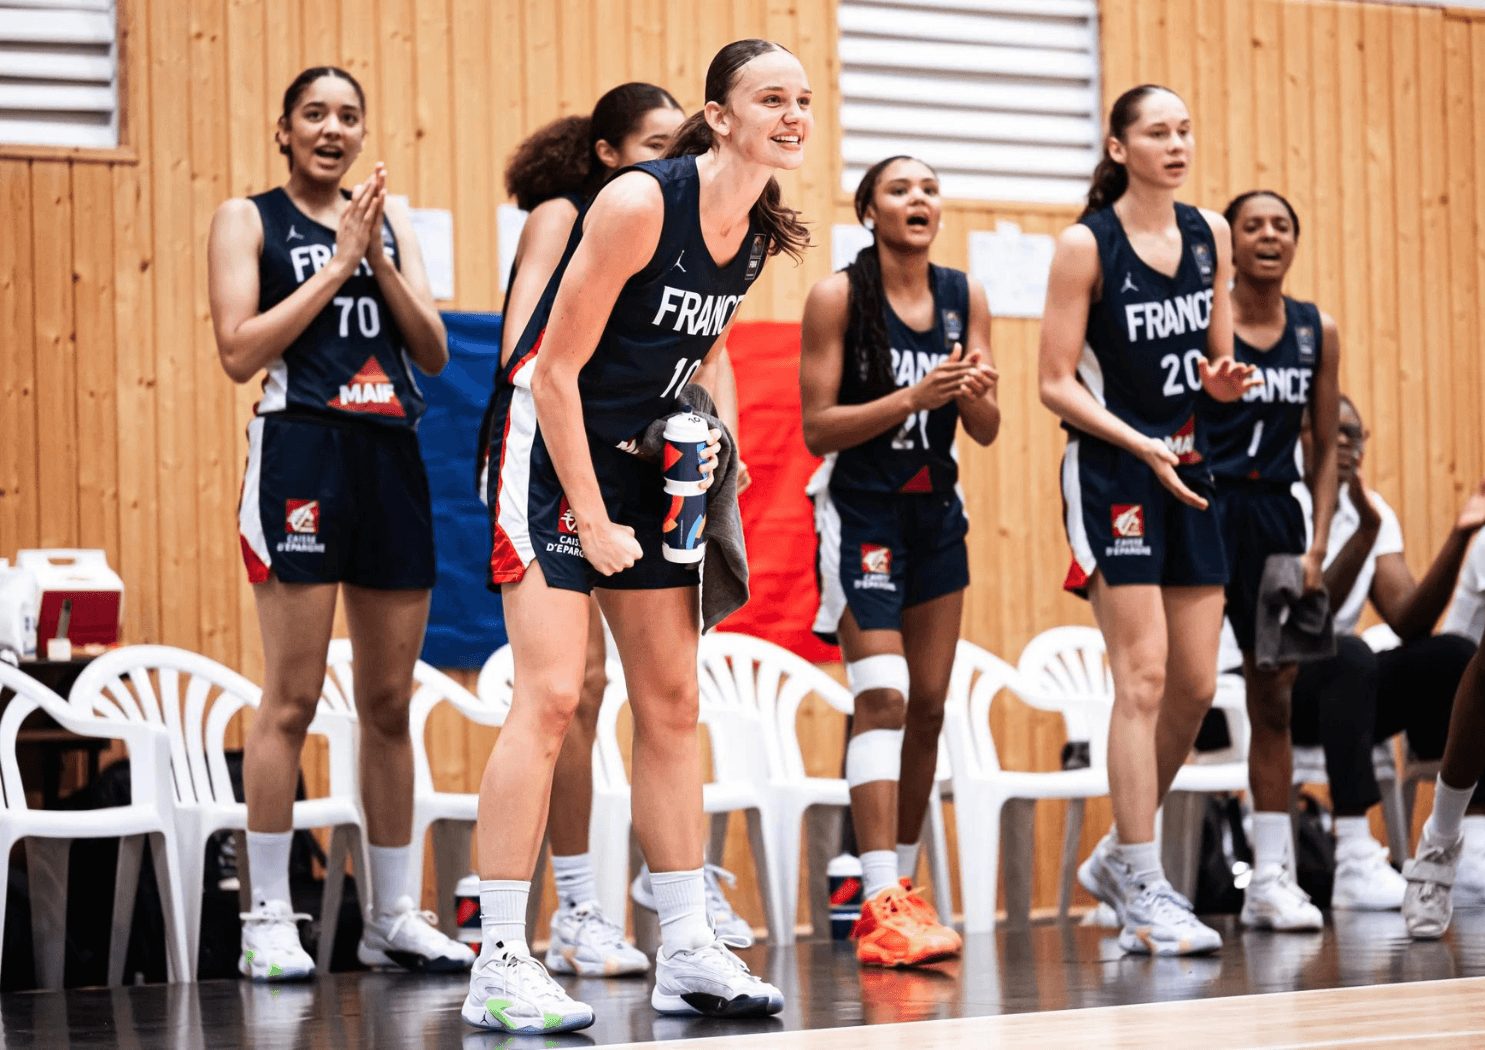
656	632
583	939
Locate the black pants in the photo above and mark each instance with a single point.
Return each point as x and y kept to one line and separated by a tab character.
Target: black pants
1357	699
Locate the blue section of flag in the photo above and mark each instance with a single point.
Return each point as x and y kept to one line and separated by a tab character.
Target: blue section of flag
465	623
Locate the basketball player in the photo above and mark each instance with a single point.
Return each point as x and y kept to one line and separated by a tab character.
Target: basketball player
1261	508
553	174
325	289
885	378
646	291
1140	283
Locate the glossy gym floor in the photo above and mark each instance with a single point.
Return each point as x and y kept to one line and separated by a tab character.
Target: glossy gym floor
1050	985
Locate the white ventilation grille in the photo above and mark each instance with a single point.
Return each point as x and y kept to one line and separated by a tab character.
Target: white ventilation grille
1000	96
59	73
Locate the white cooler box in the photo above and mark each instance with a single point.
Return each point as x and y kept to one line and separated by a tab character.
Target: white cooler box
84	578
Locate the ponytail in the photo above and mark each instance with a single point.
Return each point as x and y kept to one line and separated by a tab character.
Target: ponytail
1110	178
779	223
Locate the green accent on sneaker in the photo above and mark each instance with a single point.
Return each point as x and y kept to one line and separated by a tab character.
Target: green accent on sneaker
551	1020
250	954
497	1008
275	970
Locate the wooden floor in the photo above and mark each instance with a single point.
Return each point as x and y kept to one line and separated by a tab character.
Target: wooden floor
1360	982
1423	1015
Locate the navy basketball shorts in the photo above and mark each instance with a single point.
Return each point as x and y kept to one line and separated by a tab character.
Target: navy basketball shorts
1257	518
1121	521
331	501
530	517
882	552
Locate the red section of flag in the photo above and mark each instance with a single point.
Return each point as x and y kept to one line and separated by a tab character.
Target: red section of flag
778	519
919	482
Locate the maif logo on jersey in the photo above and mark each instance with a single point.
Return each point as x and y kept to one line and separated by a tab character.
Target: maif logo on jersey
1183	443
369	391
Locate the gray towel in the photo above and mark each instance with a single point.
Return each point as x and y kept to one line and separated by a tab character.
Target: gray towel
724	567
1292	626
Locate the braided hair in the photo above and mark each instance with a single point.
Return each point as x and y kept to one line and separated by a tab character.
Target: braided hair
869	348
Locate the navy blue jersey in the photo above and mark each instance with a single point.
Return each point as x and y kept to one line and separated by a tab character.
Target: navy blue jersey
665	321
350	361
1257	438
917	456
1147	334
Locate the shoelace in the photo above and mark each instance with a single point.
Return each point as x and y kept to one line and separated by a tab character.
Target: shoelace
285	921
1286	880
1166	904
716	900
530	976
427	919
605	932
719	947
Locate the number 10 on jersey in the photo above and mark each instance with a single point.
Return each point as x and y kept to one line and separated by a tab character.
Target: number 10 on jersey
685	368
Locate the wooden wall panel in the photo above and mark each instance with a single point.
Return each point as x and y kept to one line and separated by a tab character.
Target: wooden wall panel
117	427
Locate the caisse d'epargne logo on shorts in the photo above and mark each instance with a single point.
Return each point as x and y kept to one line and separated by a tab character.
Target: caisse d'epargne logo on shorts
567	541
302	527
876	568
1129	529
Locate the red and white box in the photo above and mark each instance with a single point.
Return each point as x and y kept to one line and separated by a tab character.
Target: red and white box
83	578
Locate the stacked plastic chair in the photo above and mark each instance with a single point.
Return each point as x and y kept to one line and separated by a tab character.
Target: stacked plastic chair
48	834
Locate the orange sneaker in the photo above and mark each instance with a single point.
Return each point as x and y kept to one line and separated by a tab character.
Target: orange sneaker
925	911
893	932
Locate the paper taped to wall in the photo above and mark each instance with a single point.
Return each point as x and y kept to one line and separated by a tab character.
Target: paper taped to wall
1013	267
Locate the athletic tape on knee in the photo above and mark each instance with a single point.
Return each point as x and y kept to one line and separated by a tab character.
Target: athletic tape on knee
874	755
888	671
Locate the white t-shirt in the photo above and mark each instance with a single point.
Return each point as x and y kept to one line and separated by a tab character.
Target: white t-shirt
1342	527
1466	615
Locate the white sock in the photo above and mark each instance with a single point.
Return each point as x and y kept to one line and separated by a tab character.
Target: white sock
680	900
1271	840
878	872
268	866
1449	804
907	861
1143	859
503	914
1352	829
390	877
575	882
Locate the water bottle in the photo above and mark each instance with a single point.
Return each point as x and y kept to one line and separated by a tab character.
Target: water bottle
843	876
467	912
686	437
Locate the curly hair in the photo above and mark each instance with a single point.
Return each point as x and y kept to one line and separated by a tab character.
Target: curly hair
561	157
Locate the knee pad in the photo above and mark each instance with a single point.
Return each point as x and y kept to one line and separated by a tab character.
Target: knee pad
874	755
888	671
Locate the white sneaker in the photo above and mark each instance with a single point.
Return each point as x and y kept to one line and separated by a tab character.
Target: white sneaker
718	909
511	992
270	944
1426	905
586	942
711	981
1108	879
1469	877
1274	901
1364	878
1159	921
409	939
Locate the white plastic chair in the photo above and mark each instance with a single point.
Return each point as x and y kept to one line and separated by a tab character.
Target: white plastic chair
733	788
451	815
194	698
985	795
1066	664
755	688
48	835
